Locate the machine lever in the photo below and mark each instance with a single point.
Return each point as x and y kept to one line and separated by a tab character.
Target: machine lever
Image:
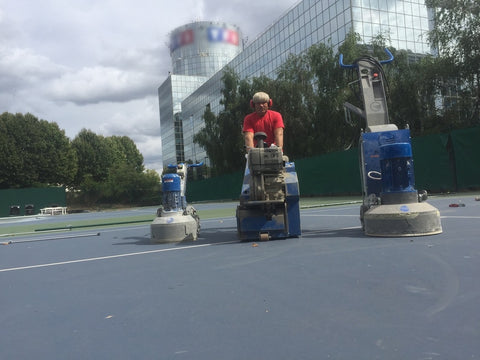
354	65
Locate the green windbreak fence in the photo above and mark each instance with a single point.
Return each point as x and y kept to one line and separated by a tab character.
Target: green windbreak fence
433	163
330	174
29	201
466	149
225	187
442	162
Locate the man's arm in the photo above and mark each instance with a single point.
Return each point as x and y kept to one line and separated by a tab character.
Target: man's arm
278	133
248	140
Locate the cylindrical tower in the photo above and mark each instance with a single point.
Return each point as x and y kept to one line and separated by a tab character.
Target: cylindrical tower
202	48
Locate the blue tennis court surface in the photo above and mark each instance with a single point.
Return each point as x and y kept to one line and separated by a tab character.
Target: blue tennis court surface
332	293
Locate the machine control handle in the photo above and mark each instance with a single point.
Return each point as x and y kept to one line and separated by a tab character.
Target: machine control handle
354	65
390	59
196	165
348	66
172	166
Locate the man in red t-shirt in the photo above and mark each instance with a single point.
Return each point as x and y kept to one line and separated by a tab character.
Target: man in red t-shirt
263	120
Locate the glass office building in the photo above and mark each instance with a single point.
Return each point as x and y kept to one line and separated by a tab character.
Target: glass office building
170	95
404	23
197	50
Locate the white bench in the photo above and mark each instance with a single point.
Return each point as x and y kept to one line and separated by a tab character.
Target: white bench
58	210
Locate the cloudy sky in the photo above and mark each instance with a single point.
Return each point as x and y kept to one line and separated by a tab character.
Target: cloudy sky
97	64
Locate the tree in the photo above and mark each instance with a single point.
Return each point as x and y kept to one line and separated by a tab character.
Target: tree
125	151
312	92
111	170
208	137
406	106
456	35
294	96
34	152
94	155
330	126
126	185
221	136
10	157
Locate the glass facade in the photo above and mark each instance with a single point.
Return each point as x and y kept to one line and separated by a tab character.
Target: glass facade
170	95
404	23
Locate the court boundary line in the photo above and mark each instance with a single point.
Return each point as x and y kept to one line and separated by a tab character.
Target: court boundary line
99	258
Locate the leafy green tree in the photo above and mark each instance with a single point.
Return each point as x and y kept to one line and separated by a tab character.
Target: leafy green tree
208	137
127	185
294	98
330	127
10	156
311	98
456	35
125	151
111	170
34	153
404	85
221	136
94	155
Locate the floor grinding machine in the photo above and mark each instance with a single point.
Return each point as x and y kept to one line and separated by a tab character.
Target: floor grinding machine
391	204
269	202
176	220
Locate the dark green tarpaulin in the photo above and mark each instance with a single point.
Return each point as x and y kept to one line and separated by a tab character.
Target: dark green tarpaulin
466	151
225	187
330	174
434	169
36	197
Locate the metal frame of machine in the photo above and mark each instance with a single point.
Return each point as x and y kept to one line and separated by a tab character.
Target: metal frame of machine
391	204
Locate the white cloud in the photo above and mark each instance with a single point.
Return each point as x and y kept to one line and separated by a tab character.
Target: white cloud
23	67
97	64
100	84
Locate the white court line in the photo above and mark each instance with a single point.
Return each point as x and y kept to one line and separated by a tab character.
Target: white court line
442	217
459	217
111	257
322	231
183	247
334	215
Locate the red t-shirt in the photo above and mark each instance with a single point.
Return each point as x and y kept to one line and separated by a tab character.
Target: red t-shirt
267	123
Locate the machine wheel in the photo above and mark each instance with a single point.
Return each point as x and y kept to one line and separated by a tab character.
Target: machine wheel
264	237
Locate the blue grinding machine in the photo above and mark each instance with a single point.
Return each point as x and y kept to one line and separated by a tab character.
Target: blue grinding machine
176	220
391	204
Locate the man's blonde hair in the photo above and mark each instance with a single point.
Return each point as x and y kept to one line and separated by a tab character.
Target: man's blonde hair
260	97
